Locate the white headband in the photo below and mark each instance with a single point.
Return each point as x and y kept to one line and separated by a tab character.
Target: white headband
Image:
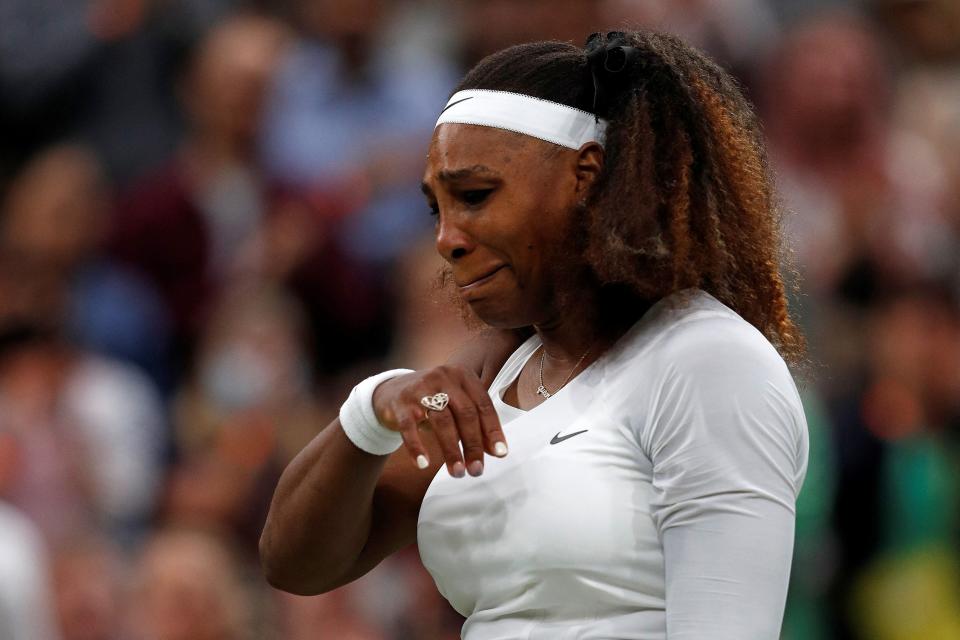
550	121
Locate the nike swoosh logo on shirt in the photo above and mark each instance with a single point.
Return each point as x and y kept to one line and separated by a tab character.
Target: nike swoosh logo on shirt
557	439
455	103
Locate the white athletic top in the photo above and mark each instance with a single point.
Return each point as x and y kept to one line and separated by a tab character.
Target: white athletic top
650	498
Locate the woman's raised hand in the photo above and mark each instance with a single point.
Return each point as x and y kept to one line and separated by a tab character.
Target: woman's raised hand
468	419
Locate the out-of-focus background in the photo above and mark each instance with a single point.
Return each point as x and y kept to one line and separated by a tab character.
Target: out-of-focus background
210	229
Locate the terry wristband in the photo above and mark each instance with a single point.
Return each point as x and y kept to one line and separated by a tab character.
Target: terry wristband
359	421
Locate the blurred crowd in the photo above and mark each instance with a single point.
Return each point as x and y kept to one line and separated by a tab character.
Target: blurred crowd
211	228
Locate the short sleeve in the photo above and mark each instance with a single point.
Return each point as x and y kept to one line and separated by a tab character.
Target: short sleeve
727	441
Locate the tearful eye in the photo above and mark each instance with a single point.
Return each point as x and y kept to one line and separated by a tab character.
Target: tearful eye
475	196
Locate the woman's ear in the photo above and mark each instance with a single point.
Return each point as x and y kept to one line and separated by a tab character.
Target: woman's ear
588	168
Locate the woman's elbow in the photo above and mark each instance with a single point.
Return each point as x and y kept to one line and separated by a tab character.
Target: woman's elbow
284	573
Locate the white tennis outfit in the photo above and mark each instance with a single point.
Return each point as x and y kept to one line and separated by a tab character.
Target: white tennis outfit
650	498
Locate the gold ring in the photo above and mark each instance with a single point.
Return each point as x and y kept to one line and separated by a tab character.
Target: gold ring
436	402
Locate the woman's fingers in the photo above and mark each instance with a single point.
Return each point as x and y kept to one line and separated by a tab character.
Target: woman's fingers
495	443
445	431
411	440
467	417
465	429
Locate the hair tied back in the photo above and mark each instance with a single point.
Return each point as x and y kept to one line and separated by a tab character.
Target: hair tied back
608	57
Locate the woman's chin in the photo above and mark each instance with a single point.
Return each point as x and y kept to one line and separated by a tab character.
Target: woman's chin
495	315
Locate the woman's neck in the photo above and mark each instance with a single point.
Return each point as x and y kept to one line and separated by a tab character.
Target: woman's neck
567	339
588	326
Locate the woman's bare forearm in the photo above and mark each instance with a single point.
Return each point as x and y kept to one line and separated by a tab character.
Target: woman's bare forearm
320	516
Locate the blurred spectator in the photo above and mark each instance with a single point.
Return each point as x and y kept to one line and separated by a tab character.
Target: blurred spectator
54	221
94	69
188	226
89	432
865	200
331	616
50	481
244	415
868	216
90	589
348	118
211	216
896	513
253	361
491	25
910	596
189	587
927	38
348	302
734	32
428	331
25	596
926	30
396	601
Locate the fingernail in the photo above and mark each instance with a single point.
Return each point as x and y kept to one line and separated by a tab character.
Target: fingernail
475	468
457	470
422	461
500	449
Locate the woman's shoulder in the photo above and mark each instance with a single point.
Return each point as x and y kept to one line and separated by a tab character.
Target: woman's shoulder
693	332
707	361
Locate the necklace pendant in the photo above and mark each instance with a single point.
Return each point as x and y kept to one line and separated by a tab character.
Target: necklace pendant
542	391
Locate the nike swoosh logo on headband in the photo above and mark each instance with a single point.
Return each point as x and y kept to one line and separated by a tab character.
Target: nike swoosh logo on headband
455	103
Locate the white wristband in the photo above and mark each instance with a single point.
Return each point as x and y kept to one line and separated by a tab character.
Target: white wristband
359	421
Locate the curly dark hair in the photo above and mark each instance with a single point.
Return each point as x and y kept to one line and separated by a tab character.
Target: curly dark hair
685	198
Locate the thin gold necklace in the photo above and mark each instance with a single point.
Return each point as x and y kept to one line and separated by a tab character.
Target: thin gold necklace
542	390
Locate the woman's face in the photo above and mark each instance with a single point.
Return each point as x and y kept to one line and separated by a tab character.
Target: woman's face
504	204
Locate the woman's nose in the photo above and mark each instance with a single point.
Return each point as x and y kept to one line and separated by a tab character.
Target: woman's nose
453	242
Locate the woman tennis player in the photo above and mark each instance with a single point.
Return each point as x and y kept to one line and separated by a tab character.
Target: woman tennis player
632	469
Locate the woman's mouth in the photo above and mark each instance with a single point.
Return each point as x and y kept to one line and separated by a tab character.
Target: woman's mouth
475	284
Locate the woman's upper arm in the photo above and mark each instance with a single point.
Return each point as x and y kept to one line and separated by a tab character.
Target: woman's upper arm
728	447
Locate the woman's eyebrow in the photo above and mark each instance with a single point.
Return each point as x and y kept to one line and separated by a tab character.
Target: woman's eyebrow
477	170
456	175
